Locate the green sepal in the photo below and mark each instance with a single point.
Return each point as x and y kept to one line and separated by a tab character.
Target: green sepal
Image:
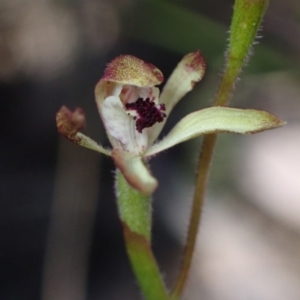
216	120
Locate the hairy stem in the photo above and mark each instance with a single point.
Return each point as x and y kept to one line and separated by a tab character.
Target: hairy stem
203	171
135	214
246	19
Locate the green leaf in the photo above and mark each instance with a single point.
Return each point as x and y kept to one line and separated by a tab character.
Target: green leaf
176	28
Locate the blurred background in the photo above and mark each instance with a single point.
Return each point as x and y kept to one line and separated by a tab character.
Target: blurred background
60	237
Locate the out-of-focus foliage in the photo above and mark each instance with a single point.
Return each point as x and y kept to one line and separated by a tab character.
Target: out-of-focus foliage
180	30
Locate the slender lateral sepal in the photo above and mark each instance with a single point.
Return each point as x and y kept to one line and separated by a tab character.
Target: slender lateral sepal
69	123
135	214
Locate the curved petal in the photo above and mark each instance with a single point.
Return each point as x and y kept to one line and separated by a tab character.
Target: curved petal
190	70
214	120
135	172
128	69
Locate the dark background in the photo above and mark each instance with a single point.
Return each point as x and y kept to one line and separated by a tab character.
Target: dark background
60	237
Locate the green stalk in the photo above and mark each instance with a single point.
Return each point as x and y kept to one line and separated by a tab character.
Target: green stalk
135	214
198	201
247	16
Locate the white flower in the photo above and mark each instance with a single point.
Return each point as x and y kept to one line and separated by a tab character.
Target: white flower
134	114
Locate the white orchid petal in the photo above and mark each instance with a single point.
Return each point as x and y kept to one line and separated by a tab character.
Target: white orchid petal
120	127
135	172
190	70
214	120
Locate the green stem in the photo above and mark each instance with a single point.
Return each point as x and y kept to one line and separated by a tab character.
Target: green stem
246	19
247	16
203	171
135	214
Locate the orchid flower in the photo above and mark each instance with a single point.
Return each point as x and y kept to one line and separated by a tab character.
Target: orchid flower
134	114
